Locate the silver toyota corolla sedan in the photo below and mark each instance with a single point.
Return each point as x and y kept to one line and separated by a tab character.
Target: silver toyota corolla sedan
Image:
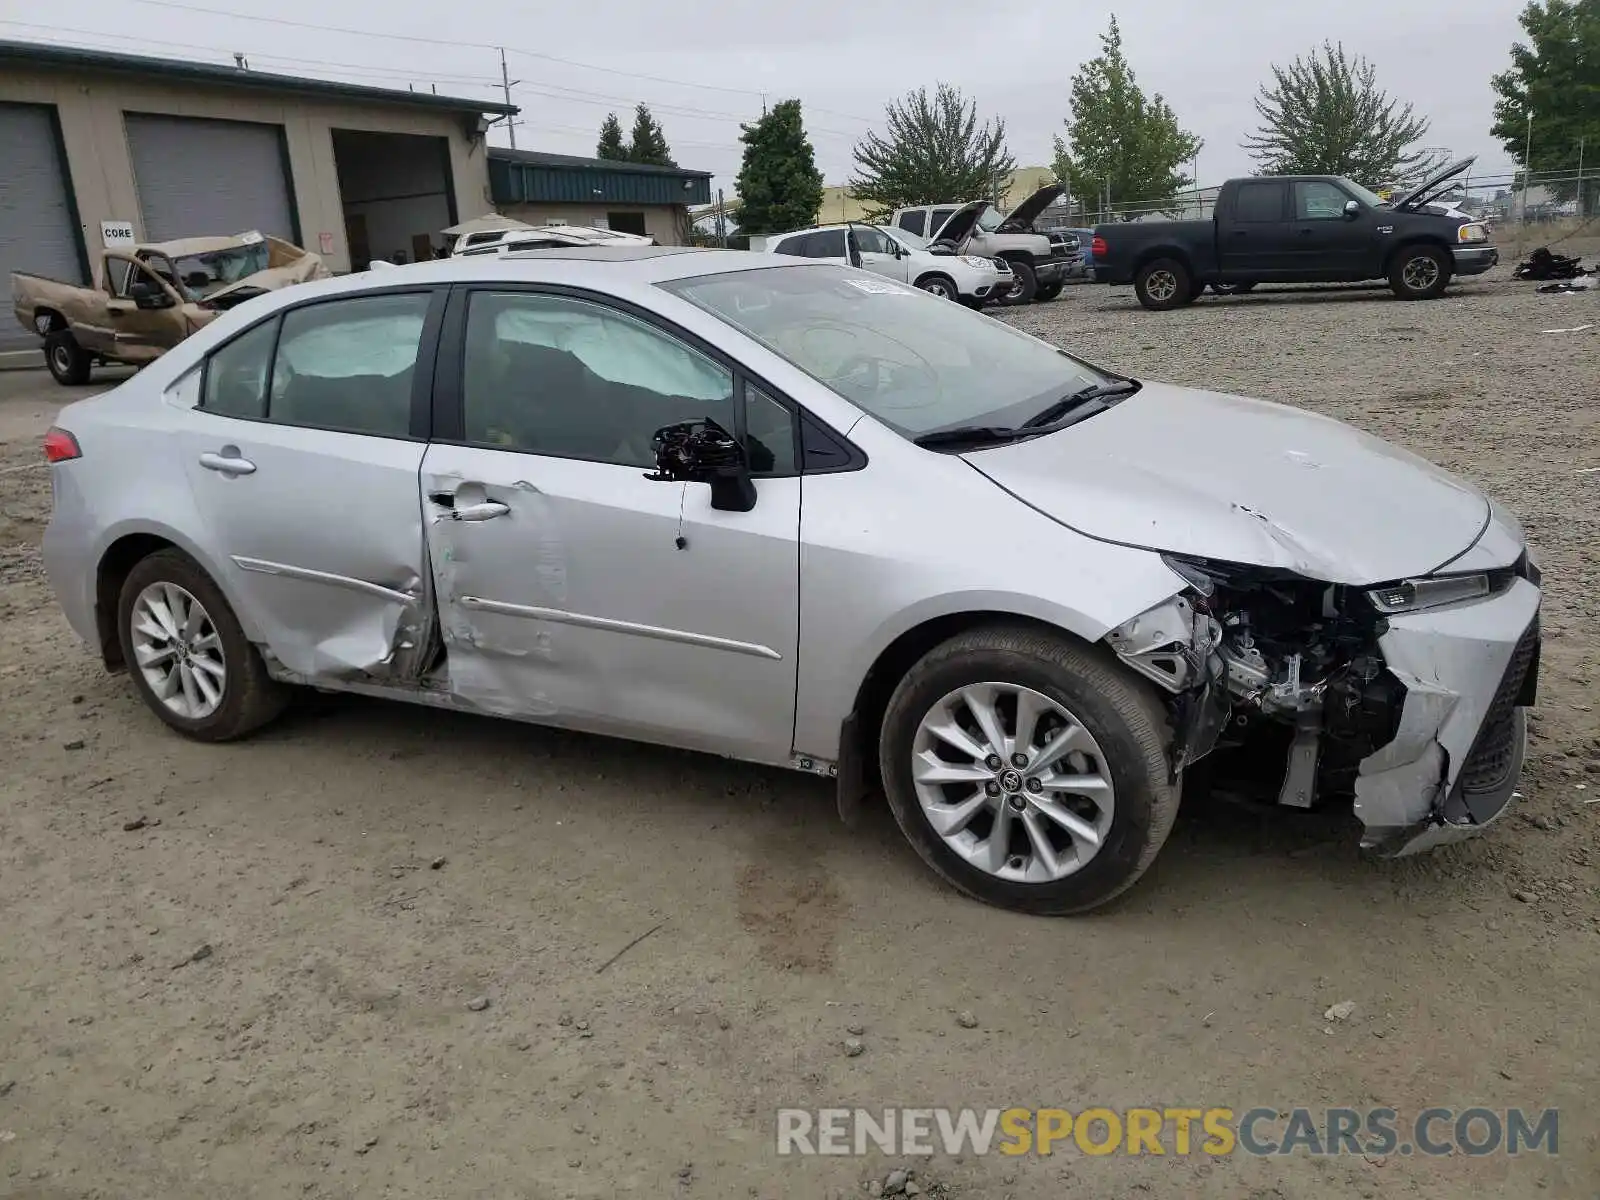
803	515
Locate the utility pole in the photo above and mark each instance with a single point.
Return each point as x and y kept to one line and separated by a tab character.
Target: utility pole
1527	166
1583	207
506	84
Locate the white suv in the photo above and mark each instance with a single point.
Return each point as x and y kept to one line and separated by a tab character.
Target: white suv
969	278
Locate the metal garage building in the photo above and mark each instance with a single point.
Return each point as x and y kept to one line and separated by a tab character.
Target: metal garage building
184	149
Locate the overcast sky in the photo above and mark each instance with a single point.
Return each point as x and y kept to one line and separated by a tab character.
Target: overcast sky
703	66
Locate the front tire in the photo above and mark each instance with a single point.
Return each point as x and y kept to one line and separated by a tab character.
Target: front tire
1048	291
188	656
1024	284
68	362
1419	273
1163	285
1028	770
941	286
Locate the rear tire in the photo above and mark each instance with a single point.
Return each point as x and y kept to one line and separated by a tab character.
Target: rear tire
187	654
68	362
1098	839
1419	273
1025	285
1163	284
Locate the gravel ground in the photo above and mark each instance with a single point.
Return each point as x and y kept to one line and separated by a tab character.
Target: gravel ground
245	971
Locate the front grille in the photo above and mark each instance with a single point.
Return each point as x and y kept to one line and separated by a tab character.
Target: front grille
1491	754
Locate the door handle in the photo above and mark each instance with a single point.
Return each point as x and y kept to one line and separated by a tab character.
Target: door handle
227	464
486	510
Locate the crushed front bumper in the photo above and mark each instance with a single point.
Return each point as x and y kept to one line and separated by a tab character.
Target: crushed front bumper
1452	767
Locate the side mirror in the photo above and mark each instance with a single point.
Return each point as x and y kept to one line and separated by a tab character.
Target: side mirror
1352	208
705	452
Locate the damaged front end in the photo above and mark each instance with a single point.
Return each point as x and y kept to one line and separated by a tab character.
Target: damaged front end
1406	700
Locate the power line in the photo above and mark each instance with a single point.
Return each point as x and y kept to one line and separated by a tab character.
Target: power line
436	41
348	68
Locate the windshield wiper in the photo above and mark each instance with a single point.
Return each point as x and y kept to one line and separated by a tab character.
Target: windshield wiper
1095	391
968	435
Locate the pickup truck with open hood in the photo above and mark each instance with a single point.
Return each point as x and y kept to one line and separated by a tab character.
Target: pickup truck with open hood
1298	229
153	296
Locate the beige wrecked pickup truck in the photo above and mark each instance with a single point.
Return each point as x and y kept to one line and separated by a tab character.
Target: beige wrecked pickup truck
152	297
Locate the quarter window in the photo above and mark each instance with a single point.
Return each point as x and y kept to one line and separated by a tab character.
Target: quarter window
574	379
236	375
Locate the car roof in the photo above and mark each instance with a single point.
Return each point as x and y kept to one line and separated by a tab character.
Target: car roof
578	266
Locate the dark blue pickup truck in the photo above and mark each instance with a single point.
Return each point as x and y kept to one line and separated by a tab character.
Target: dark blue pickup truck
1297	229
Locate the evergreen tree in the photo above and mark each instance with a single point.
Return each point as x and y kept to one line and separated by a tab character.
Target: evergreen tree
611	146
648	143
779	185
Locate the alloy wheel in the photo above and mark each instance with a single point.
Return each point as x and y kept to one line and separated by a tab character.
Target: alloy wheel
178	650
1161	286
1012	782
937	287
1421	273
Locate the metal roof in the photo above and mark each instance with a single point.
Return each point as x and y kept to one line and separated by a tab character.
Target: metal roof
535	177
172	69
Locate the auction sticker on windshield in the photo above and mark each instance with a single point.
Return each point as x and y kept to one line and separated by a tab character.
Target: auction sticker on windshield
878	287
249	239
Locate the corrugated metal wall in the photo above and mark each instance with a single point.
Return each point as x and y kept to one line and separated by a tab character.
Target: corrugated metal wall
534	183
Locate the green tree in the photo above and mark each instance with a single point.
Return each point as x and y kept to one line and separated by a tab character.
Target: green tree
647	143
611	146
779	185
1557	78
1119	138
935	150
1324	114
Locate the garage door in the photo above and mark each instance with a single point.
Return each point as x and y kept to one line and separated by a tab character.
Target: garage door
200	178
37	231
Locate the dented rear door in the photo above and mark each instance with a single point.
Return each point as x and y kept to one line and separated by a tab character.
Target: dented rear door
303	456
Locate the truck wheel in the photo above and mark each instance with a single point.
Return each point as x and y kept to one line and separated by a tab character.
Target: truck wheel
1048	291
1419	273
1163	284
1024	285
66	359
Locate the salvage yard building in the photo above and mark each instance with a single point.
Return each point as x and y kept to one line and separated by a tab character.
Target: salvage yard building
95	144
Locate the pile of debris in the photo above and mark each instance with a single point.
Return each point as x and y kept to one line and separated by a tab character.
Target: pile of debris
1567	273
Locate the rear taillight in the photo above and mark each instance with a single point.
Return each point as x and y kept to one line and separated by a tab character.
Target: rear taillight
1098	247
60	446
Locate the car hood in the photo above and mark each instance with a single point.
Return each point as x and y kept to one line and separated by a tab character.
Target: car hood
1221	477
1432	182
1029	209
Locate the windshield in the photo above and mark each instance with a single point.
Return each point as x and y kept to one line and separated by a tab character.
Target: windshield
202	274
990	218
914	362
905	237
1370	199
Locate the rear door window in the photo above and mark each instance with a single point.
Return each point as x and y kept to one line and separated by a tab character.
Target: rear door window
1260	203
829	243
915	221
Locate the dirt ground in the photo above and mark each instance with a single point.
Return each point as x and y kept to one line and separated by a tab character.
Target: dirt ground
323	1046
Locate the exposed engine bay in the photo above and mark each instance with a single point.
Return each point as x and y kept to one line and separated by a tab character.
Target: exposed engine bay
1318	690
